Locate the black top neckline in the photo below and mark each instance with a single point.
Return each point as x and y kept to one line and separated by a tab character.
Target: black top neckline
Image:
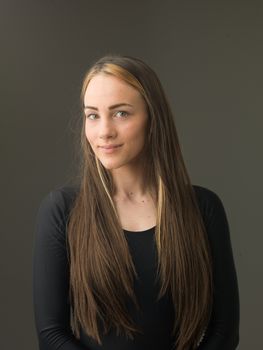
138	232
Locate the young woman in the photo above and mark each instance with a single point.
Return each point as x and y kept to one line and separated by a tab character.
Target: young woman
132	256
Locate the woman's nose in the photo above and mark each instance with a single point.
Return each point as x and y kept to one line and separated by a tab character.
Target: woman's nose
106	128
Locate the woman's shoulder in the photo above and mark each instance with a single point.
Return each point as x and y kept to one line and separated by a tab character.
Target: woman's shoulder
57	202
210	203
215	218
205	194
65	193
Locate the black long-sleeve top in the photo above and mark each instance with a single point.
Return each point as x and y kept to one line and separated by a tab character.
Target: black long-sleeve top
51	282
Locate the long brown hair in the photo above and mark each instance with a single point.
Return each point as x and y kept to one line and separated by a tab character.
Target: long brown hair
101	267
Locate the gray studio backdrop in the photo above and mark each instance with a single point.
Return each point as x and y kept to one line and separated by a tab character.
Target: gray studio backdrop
208	54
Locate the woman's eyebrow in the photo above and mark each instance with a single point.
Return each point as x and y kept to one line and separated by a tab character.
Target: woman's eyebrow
111	107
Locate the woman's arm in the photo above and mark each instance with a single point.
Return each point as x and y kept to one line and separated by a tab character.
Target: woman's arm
223	330
51	277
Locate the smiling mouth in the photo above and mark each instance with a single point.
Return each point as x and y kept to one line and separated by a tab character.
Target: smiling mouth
109	146
110	149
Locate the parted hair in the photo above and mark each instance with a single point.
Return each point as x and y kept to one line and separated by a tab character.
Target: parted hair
101	267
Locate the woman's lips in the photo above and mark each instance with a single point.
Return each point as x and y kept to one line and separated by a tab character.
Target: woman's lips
110	149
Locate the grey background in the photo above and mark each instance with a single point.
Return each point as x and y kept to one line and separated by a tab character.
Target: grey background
208	54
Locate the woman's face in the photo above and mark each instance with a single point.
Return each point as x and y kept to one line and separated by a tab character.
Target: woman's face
116	114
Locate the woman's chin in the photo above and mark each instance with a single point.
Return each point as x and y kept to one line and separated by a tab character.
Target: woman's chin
110	165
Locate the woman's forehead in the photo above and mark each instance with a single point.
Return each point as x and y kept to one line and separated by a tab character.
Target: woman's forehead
110	89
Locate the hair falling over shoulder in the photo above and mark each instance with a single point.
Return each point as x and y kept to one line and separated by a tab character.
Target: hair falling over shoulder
101	267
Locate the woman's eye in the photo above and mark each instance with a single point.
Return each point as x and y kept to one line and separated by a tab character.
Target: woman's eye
90	116
122	113
93	116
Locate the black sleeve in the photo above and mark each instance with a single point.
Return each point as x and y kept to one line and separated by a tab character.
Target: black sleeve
223	331
51	277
